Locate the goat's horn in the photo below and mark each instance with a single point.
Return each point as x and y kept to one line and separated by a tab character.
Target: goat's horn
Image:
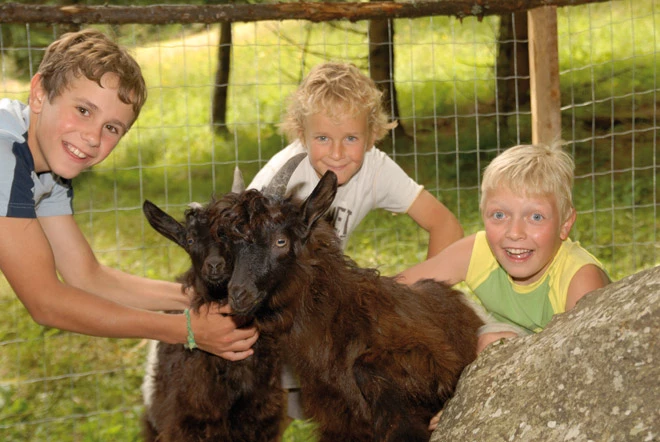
277	186
238	185
195	205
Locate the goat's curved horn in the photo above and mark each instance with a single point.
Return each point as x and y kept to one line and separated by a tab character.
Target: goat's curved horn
277	185
238	185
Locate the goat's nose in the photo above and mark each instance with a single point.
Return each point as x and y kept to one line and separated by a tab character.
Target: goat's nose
214	264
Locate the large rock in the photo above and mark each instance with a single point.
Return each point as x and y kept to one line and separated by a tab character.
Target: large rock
591	375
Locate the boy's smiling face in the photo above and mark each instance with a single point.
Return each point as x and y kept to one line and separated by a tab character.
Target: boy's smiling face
336	145
78	128
524	232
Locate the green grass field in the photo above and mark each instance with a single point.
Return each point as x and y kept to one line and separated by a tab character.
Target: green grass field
56	386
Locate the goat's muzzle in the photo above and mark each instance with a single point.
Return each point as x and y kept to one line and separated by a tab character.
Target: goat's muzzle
214	270
243	300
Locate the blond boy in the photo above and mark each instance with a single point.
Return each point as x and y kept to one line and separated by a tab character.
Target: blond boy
336	116
523	266
86	95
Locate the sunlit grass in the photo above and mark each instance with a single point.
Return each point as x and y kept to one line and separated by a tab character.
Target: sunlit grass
62	387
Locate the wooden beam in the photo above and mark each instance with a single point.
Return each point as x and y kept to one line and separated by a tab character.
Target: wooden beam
544	75
315	12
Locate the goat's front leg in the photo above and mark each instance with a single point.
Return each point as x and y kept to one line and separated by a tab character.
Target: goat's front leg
382	383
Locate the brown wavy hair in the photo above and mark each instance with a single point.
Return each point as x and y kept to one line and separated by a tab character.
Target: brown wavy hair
91	53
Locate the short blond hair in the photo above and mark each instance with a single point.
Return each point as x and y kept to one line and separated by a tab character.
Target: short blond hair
91	53
533	170
339	90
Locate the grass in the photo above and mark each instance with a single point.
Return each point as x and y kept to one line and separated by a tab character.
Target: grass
63	387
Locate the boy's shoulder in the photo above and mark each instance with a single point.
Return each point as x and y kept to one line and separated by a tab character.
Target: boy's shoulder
13	142
572	255
380	161
266	173
14	120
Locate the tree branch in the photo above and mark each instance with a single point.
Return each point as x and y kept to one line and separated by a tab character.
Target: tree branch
315	12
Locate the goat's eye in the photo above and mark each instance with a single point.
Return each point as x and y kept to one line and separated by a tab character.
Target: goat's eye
190	240
281	242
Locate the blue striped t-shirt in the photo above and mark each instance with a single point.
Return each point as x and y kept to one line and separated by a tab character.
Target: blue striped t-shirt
23	192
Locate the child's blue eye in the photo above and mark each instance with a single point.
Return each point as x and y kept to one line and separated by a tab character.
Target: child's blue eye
351	138
498	215
537	217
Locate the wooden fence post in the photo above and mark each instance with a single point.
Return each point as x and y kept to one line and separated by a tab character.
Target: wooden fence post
544	75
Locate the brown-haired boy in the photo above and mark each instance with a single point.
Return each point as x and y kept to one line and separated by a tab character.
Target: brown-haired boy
86	95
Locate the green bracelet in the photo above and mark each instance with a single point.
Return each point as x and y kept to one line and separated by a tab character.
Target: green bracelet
191	345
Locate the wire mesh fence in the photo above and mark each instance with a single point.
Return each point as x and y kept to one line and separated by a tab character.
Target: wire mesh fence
457	108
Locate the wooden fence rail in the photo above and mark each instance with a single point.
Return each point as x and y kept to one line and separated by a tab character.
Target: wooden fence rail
312	11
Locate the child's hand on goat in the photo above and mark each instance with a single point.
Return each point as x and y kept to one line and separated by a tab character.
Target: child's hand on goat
434	421
218	333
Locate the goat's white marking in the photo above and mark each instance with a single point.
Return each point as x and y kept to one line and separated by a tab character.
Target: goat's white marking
149	374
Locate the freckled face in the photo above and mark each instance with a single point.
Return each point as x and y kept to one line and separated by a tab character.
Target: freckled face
524	232
336	145
78	128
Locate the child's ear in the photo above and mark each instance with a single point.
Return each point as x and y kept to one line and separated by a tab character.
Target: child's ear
568	224
37	94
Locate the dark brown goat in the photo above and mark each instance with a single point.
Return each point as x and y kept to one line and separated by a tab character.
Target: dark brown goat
376	359
195	395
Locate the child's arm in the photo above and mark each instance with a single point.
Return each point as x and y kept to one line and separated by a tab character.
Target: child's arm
78	266
435	218
450	265
28	262
587	279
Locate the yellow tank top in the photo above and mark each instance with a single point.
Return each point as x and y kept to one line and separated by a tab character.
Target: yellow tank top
528	306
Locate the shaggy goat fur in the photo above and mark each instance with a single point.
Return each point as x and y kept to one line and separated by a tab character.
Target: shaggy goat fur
376	359
198	396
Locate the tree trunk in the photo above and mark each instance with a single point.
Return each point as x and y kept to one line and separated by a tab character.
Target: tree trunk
381	66
512	65
220	96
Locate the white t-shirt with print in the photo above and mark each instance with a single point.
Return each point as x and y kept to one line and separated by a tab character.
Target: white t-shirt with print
379	184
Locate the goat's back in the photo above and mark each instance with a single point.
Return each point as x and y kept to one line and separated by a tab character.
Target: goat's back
351	326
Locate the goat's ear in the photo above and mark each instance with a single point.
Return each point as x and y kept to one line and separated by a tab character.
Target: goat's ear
164	223
319	201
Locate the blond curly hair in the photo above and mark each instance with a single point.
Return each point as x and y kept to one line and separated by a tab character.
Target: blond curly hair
339	90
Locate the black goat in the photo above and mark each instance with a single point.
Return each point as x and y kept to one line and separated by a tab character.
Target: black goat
198	396
376	358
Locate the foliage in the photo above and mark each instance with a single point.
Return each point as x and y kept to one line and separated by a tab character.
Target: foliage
66	387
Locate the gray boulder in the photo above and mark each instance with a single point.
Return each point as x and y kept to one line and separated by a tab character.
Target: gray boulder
591	375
